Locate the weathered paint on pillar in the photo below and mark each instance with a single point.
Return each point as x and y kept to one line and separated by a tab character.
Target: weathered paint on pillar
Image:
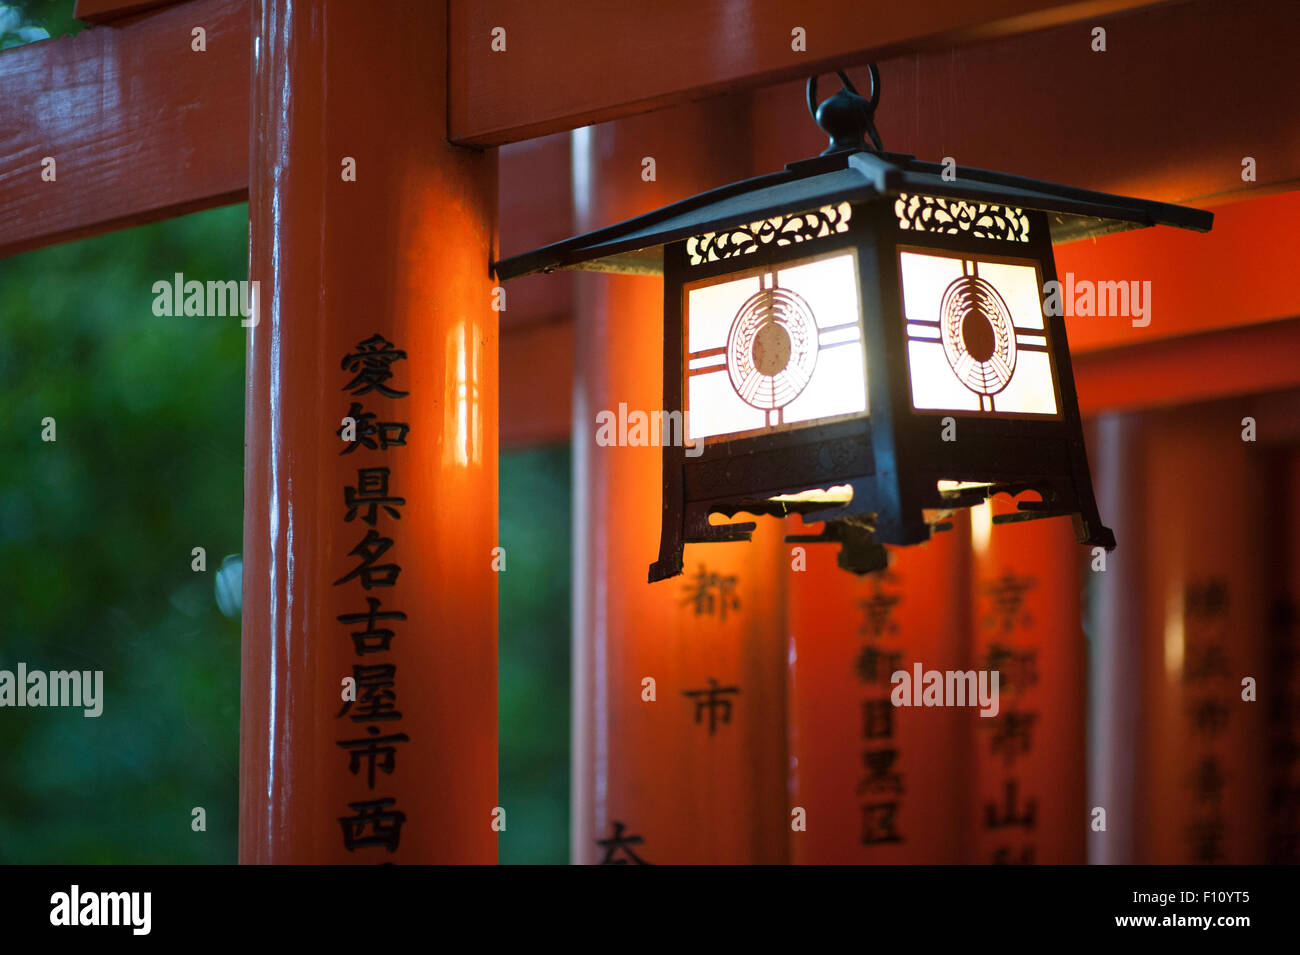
878	782
1204	774
365	222
1028	802
691	778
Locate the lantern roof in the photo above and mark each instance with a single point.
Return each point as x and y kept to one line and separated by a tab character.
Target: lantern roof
636	245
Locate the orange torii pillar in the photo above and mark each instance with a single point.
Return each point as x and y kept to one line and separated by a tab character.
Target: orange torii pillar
1028	802
369	712
1204	779
878	782
679	691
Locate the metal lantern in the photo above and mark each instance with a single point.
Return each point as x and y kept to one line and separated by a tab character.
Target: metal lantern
862	339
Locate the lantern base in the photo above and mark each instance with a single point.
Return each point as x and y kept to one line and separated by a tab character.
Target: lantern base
861	534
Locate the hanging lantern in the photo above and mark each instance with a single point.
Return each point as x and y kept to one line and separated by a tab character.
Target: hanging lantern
862	339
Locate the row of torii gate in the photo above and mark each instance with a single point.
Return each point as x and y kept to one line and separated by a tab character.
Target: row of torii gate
456	120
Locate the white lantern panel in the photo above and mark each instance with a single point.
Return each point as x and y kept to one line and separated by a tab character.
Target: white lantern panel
775	348
976	339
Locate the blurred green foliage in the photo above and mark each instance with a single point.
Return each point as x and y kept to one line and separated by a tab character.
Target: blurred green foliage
534	655
26	21
96	532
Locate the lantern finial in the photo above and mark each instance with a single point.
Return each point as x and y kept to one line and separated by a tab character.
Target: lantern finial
846	116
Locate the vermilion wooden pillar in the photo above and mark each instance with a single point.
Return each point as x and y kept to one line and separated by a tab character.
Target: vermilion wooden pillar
690	778
1204	773
402	252
1028	804
1115	687
879	783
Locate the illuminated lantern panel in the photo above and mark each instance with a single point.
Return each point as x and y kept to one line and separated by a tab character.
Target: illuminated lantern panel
976	339
776	348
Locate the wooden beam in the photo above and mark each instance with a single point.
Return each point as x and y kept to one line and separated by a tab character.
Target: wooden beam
103	11
176	145
537	384
588	61
1217	364
140	126
1240	273
1046	105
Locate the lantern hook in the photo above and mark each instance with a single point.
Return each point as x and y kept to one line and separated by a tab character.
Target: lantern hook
847	116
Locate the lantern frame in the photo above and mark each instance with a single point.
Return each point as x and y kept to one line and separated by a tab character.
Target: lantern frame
892	456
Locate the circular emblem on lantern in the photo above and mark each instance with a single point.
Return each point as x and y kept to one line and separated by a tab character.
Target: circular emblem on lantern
979	338
772	348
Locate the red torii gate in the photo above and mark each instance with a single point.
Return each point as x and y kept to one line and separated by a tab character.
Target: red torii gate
144	127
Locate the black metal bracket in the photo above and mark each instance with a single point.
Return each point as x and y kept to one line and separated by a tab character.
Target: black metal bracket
859	551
